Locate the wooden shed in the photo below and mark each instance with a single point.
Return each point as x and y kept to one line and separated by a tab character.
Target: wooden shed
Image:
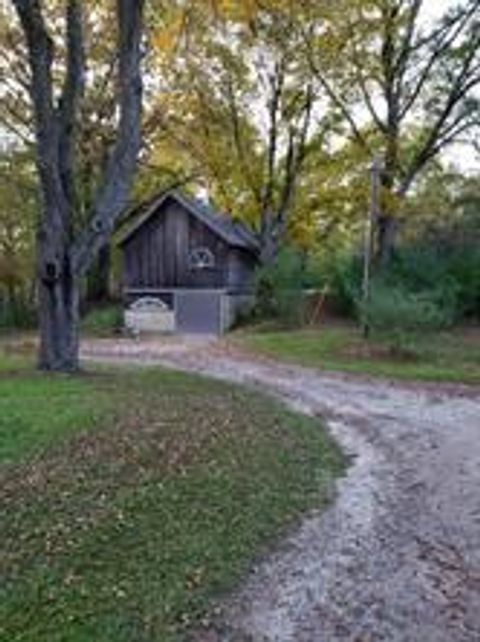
197	261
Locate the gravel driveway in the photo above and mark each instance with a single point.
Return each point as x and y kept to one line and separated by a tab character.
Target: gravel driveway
397	557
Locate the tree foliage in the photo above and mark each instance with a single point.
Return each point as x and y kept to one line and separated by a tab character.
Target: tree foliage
402	88
236	106
273	108
18	210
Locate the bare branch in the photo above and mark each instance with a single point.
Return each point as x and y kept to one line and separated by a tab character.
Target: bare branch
443	39
276	82
428	154
401	63
237	137
369	103
335	98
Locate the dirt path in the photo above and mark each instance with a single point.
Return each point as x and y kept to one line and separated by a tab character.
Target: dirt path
397	557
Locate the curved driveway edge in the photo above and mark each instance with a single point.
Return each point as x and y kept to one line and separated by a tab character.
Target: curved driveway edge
397	557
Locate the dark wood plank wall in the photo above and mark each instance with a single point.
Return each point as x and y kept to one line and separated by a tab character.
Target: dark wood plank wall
202	236
168	221
157	255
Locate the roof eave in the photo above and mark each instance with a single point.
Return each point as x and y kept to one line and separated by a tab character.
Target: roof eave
253	247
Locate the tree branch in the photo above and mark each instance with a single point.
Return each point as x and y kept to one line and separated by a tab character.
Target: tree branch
276	84
296	154
443	39
71	96
112	196
337	101
401	63
237	137
427	155
40	56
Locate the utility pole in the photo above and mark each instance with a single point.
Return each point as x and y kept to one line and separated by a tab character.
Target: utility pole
373	213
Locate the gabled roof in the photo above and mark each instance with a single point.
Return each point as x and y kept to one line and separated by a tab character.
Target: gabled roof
236	234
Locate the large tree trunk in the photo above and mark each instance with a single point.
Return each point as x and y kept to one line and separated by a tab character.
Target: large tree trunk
387	223
64	252
58	318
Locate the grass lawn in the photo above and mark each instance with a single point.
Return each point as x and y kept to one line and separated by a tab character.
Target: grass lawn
131	499
447	356
103	321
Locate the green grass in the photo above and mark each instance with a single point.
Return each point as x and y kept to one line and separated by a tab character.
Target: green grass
48	409
131	499
103	321
443	357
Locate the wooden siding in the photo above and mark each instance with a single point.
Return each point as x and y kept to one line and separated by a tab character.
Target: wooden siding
157	254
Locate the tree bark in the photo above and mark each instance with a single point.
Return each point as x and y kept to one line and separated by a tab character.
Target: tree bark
271	237
387	223
64	255
268	251
58	294
386	234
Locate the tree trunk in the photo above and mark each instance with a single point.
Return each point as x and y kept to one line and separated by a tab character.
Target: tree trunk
64	252
269	243
387	223
58	319
386	235
268	251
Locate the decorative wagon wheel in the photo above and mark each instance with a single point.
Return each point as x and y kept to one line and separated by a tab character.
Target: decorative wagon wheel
201	258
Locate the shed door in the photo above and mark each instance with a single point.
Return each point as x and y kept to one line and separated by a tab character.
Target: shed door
198	311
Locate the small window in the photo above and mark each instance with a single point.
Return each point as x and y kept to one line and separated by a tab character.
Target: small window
201	258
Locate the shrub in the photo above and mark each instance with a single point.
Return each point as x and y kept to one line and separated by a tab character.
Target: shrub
16	314
398	315
431	277
340	274
447	276
279	289
465	270
346	283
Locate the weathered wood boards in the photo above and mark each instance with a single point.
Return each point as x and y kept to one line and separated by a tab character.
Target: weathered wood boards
158	251
199	263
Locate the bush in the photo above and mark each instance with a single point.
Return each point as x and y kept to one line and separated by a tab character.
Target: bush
16	314
338	275
398	315
345	283
437	277
279	289
446	276
465	270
